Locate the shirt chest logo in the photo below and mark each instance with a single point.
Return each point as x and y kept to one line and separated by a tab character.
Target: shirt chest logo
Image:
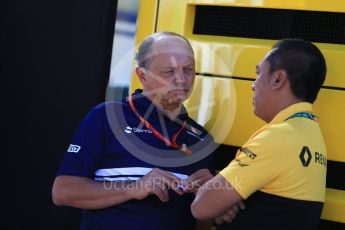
306	156
129	129
195	135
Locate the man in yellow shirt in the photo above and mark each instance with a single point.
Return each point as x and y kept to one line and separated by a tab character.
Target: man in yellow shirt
280	172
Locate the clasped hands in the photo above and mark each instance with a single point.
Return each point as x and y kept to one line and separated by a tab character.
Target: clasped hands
157	182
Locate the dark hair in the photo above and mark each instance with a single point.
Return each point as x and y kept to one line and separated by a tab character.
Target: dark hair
304	64
143	55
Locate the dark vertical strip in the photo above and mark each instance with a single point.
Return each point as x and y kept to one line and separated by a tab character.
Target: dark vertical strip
336	175
54	69
157	12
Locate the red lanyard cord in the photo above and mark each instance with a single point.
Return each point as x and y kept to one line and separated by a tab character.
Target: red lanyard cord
172	143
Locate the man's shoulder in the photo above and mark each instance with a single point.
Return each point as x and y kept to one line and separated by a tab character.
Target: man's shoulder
108	111
269	135
107	106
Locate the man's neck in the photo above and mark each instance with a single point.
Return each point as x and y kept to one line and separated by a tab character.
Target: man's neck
171	109
174	113
283	104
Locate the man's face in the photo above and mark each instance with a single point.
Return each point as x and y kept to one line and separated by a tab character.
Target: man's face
171	73
262	91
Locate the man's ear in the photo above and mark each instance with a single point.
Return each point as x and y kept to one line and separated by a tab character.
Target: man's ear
278	79
141	73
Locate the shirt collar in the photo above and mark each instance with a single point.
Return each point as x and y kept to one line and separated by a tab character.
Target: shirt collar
143	105
290	110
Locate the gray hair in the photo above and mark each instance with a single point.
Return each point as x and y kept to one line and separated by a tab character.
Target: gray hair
143	55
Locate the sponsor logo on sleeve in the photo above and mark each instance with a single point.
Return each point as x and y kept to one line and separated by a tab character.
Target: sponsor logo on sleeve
249	153
240	163
73	148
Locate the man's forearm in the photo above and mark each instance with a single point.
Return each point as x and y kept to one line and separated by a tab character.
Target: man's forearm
82	192
214	198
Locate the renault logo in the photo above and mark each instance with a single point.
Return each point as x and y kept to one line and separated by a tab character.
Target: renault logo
305	156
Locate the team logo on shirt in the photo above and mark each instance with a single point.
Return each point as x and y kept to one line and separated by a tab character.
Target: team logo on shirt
73	148
136	130
306	156
128	129
195	130
195	135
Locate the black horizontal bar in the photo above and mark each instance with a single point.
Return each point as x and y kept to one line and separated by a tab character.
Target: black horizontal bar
267	23
251	79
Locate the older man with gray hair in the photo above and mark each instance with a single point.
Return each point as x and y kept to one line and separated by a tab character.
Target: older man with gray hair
102	172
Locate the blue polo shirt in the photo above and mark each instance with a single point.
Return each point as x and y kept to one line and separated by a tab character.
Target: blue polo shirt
101	150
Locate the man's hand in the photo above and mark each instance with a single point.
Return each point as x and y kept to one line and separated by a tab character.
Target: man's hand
230	214
197	179
156	182
214	198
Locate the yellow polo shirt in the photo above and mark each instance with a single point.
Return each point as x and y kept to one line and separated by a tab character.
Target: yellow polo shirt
287	158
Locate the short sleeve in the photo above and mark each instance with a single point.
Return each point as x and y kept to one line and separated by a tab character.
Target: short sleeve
257	163
86	148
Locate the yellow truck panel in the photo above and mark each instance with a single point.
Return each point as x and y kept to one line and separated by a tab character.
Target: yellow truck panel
225	65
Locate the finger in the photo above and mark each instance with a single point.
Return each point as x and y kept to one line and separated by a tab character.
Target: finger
160	193
229	220
202	175
197	174
199	181
191	186
231	212
169	175
188	189
164	189
169	179
219	221
177	189
241	205
235	208
158	175
202	180
226	218
196	184
171	184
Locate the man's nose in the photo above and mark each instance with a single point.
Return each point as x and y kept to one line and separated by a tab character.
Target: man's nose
180	76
